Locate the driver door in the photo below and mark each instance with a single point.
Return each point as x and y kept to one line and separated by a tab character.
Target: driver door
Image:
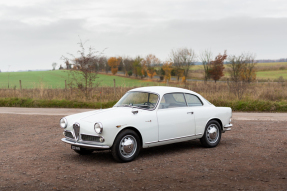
175	118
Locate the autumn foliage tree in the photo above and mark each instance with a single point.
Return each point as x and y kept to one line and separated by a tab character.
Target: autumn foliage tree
114	63
149	62
217	67
167	68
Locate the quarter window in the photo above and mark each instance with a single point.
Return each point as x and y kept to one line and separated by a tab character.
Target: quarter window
192	100
172	100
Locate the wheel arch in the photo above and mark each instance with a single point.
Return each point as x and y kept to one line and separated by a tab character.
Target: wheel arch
133	129
218	120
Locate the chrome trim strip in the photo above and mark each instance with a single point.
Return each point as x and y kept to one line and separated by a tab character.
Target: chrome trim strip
90	142
70	139
71	133
151	142
174	138
85	145
91	135
228	125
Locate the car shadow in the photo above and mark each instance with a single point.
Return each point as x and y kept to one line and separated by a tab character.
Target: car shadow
171	148
105	156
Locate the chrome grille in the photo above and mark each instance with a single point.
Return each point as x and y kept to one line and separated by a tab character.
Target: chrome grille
76	128
90	138
68	134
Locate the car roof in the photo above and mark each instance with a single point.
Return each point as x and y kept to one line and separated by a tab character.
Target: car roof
161	90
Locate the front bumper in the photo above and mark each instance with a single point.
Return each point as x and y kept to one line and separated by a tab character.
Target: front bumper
84	145
227	127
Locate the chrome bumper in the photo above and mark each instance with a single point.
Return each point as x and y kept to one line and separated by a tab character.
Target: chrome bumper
227	127
84	144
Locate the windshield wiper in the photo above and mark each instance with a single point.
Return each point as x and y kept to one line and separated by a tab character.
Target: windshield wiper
145	106
125	105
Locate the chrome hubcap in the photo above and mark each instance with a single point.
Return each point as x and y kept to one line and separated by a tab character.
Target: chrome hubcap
128	146
212	133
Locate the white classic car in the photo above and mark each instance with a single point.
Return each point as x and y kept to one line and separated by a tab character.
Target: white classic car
147	117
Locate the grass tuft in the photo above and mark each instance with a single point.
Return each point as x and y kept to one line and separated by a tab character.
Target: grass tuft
28	102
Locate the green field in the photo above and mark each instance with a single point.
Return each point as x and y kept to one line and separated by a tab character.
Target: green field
272	75
56	79
272	64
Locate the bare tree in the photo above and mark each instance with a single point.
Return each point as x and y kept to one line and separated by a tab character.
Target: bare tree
242	72
175	59
248	73
102	63
127	64
206	58
83	74
182	59
54	65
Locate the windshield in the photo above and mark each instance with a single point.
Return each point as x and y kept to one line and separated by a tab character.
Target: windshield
142	100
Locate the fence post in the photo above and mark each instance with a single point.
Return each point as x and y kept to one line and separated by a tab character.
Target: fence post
167	82
20	85
114	89
65	84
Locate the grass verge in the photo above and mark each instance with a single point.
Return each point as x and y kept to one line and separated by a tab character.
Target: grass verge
250	105
253	105
27	102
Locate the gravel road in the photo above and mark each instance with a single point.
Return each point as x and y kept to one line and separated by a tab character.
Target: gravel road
69	111
252	156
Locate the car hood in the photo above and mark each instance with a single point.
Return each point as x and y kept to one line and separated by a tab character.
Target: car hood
103	115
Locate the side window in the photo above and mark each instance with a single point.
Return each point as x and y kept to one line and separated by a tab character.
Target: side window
153	98
192	100
172	100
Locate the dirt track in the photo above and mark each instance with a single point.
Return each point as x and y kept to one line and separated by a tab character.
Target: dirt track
69	111
252	156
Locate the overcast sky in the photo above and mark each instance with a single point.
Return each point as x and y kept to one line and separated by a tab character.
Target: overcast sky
36	33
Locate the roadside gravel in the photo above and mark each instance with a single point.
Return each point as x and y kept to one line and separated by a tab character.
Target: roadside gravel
252	156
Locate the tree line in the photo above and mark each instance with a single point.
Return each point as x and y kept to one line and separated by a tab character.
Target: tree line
88	63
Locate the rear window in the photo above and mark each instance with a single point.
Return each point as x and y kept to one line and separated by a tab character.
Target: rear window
192	100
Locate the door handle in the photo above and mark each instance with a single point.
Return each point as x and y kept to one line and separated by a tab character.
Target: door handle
191	112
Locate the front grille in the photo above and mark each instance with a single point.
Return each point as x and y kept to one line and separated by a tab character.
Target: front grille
90	138
76	128
69	135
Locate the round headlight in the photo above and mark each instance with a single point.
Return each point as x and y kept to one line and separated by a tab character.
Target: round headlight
98	128
63	123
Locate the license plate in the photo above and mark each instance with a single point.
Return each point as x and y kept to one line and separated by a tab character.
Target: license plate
75	148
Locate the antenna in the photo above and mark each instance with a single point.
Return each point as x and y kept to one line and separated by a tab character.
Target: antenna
101	99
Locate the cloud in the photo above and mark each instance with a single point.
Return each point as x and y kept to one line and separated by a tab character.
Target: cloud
37	33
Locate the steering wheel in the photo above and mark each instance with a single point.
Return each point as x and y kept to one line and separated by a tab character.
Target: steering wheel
149	103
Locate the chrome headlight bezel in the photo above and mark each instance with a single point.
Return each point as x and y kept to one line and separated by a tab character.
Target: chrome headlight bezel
63	123
98	127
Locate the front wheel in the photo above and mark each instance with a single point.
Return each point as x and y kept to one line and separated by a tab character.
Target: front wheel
212	134
126	146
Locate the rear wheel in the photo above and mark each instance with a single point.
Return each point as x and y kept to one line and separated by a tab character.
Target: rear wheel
126	146
212	134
